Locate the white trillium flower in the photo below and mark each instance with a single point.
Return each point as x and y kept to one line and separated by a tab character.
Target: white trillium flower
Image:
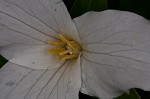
99	53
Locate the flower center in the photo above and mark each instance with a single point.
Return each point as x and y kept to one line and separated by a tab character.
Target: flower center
68	49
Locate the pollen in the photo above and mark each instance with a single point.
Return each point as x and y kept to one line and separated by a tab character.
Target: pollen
65	49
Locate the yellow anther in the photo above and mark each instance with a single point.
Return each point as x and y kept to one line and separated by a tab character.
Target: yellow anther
56	50
70	45
78	48
73	42
64	52
70	56
63	39
69	49
56	43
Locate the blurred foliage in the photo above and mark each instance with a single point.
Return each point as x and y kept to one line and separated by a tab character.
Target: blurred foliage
68	4
82	6
141	7
113	4
132	95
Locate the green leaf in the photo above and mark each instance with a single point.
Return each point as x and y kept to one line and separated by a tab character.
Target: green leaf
95	98
2	61
141	7
132	95
82	6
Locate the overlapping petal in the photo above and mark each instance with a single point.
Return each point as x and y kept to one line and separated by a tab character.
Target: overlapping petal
10	76
25	24
60	83
116	54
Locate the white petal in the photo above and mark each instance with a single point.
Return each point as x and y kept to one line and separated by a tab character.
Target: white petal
9	51
10	75
17	25
34	22
108	82
116	53
34	57
40	19
59	83
110	25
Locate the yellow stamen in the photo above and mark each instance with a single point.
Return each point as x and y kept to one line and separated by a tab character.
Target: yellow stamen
64	52
62	38
56	43
70	45
56	50
69	49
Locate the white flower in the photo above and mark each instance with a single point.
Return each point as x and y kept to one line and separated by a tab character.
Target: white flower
115	53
